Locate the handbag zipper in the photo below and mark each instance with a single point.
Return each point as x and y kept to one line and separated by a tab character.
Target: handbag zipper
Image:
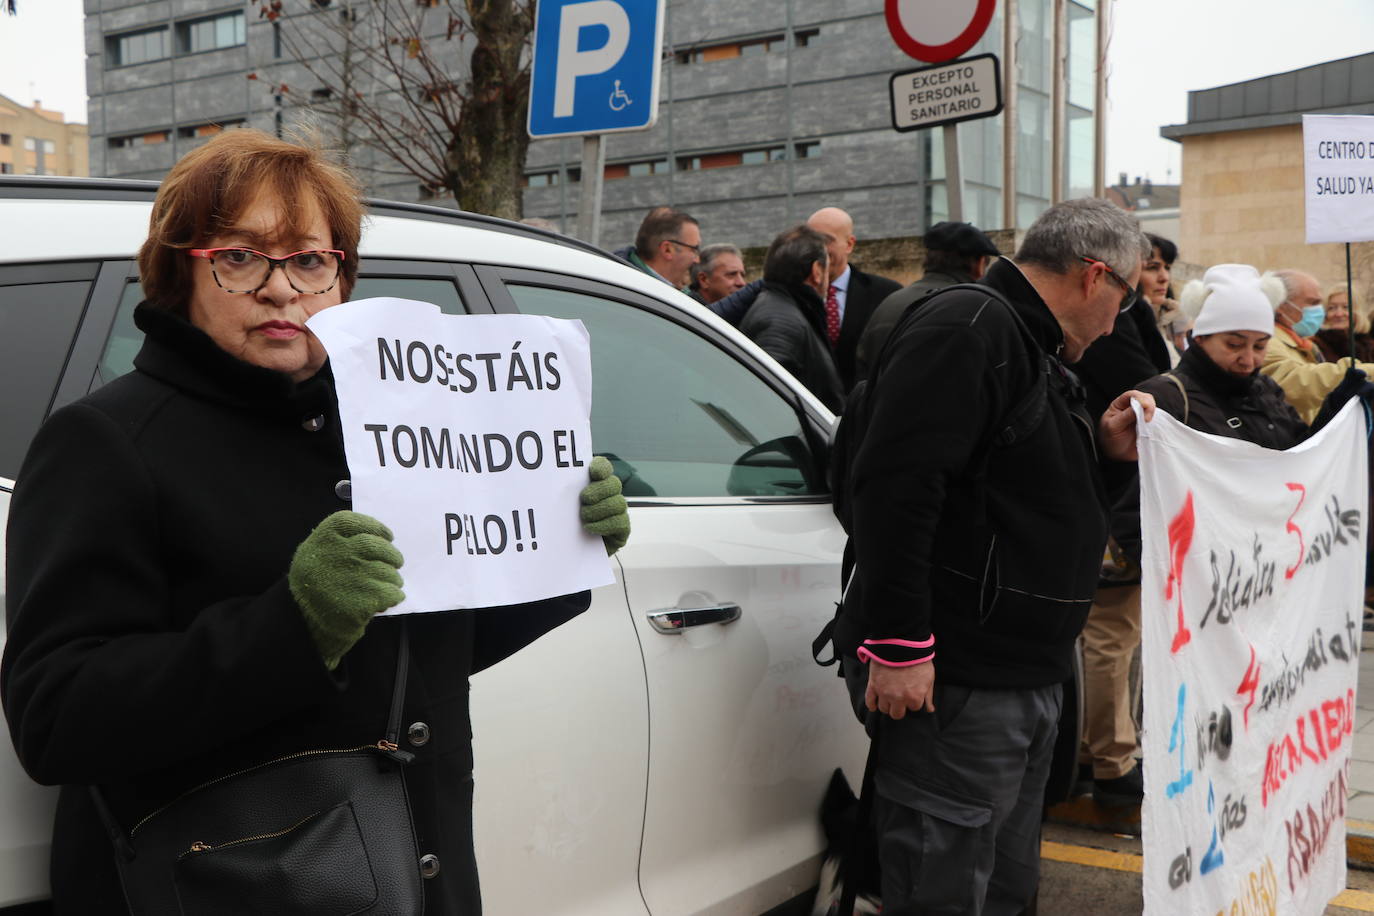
389	748
206	847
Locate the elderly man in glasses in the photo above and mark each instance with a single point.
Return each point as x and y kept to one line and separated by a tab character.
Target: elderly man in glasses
667	245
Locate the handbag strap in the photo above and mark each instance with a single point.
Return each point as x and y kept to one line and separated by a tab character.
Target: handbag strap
124	848
1181	390
398	690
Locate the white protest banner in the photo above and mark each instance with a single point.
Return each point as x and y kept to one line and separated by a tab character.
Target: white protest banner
470	437
1252	594
1338	165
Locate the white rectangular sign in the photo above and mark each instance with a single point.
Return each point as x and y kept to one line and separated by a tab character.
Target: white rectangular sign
948	93
1252	600
1338	165
469	436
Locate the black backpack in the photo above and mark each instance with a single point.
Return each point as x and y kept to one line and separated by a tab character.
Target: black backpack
1019	422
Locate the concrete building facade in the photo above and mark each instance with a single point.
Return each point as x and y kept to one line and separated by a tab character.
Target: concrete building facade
769	110
39	141
1241	197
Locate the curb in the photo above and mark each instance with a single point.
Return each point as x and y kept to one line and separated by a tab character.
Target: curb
1086	813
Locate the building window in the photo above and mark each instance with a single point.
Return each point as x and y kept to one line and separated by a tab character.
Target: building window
148	139
136	47
30	144
224	31
6	168
49	147
637	169
758	156
805	38
751	47
194	131
6	139
323	94
541	179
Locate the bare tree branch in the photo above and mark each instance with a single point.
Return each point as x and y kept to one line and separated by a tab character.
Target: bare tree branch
440	88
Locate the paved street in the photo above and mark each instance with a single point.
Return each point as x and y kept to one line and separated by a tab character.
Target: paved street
1088	871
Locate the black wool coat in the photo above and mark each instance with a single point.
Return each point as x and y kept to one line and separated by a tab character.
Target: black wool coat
789	325
153	642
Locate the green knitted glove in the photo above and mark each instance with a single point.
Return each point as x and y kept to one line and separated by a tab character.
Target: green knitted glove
344	574
604	510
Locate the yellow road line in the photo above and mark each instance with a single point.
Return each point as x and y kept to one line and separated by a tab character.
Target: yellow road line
1129	862
1086	855
1355	900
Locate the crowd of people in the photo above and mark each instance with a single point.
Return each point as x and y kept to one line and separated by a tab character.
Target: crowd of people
992	498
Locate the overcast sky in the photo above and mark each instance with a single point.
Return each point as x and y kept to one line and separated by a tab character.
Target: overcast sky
1160	50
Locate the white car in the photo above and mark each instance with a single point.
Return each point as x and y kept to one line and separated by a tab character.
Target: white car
666	752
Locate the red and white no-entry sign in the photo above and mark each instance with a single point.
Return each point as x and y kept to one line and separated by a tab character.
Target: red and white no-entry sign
938	30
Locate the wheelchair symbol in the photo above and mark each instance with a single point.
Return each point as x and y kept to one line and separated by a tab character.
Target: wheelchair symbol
619	100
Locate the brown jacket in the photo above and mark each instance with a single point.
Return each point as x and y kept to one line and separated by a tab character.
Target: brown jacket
1300	372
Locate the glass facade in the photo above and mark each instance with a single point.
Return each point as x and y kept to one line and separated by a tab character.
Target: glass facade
980	141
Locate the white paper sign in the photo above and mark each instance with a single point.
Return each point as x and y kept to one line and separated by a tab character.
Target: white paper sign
470	437
1252	600
1338	162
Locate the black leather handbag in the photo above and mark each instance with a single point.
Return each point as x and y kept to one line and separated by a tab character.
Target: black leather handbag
315	833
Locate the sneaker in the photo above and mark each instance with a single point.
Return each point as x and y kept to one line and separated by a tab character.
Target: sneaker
1122	792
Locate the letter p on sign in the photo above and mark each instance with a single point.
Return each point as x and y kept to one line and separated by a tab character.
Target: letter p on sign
573	61
595	66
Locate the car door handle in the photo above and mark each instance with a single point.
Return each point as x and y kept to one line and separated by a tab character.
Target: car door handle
677	619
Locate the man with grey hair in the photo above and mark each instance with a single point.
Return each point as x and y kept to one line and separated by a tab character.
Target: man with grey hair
787	320
719	274
978	516
1292	359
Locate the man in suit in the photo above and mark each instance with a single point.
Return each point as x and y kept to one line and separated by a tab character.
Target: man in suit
852	295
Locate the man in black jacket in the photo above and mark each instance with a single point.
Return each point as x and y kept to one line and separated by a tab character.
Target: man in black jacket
788	318
850	294
986	551
955	253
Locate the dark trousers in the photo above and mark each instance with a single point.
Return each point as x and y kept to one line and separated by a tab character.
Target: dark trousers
959	797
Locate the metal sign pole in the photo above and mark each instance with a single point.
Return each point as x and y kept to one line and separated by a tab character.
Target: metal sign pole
1350	302
954	175
593	176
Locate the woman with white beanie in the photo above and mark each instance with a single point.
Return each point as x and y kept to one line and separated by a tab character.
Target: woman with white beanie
1217	387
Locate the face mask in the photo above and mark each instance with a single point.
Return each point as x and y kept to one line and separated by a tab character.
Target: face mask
1312	318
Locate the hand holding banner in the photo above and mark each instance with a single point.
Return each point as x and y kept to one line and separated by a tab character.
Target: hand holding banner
469	436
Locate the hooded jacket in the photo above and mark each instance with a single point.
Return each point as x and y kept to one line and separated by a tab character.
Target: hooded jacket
991	551
153	642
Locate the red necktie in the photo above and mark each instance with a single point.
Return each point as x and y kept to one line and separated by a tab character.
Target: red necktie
832	316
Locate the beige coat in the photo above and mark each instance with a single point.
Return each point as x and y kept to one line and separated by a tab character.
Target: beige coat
1304	379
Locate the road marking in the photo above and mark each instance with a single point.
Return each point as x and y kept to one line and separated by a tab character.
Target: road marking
1086	855
1362	901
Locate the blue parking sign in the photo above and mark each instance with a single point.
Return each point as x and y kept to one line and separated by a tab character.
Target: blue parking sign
595	66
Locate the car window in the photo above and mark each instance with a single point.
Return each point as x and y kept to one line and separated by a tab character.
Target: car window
125	338
441	292
676	414
37	323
